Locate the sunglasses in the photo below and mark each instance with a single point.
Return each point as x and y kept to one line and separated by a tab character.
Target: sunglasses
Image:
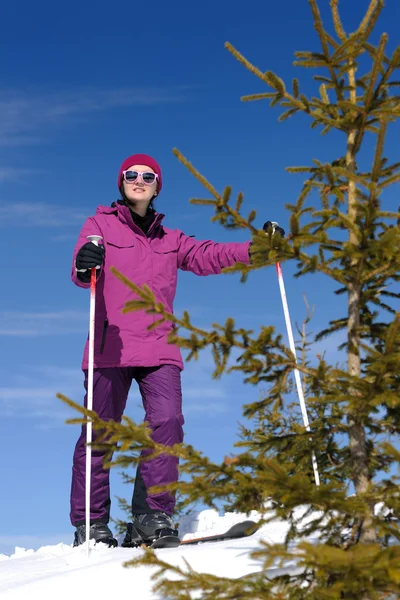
147	176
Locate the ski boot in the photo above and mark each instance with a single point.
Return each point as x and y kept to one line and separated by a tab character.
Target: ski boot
100	532
147	528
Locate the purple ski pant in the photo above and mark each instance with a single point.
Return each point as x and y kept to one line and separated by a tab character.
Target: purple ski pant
160	388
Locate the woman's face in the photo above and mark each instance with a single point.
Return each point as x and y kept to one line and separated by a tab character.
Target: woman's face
137	191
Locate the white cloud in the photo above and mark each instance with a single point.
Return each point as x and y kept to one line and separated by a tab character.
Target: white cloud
55	372
201	393
210	408
32	393
38	214
35	394
26	393
14	173
38	403
64	237
195	392
23	114
31	324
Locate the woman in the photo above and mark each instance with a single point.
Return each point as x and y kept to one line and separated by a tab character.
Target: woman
136	243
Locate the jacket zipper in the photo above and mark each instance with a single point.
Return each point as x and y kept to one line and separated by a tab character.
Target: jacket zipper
103	337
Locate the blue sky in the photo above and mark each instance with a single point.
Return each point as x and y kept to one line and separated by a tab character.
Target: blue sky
82	88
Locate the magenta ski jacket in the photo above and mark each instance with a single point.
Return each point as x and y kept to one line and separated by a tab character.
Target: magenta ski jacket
123	340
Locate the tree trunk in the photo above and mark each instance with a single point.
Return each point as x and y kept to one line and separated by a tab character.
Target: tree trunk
357	438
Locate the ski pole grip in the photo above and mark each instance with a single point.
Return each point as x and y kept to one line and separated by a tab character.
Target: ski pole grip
274	225
95	240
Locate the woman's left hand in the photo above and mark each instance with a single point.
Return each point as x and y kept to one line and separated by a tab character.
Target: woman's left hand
275	229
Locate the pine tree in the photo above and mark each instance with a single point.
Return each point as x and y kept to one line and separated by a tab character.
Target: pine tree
340	229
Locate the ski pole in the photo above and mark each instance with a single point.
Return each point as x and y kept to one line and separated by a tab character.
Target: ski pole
95	240
296	371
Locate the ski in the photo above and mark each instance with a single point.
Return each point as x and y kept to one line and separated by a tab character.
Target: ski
166	541
171	540
237	531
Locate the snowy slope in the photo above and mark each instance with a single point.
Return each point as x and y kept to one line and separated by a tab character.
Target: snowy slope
64	572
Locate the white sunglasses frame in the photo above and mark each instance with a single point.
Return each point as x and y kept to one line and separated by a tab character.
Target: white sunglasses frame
141	173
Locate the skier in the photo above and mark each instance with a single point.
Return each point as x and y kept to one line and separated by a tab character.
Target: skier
136	243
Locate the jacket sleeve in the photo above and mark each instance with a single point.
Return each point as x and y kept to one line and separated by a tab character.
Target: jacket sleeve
90	227
208	257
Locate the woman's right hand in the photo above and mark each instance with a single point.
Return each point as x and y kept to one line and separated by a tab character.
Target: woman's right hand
89	256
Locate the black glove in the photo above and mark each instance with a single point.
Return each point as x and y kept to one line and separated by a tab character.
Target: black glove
278	229
266	226
90	256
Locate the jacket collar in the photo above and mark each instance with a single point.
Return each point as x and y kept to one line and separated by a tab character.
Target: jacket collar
122	211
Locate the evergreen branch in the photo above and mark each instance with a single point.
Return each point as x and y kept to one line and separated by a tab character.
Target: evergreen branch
323	113
326	80
296	87
324	94
196	173
331	41
287	114
371	50
350	47
394	64
371	17
270	79
377	271
371	93
276	82
227	216
252	97
340	32
310	63
247	64
324	43
376	167
390	181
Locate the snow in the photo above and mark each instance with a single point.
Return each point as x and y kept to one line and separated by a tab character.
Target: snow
60	571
